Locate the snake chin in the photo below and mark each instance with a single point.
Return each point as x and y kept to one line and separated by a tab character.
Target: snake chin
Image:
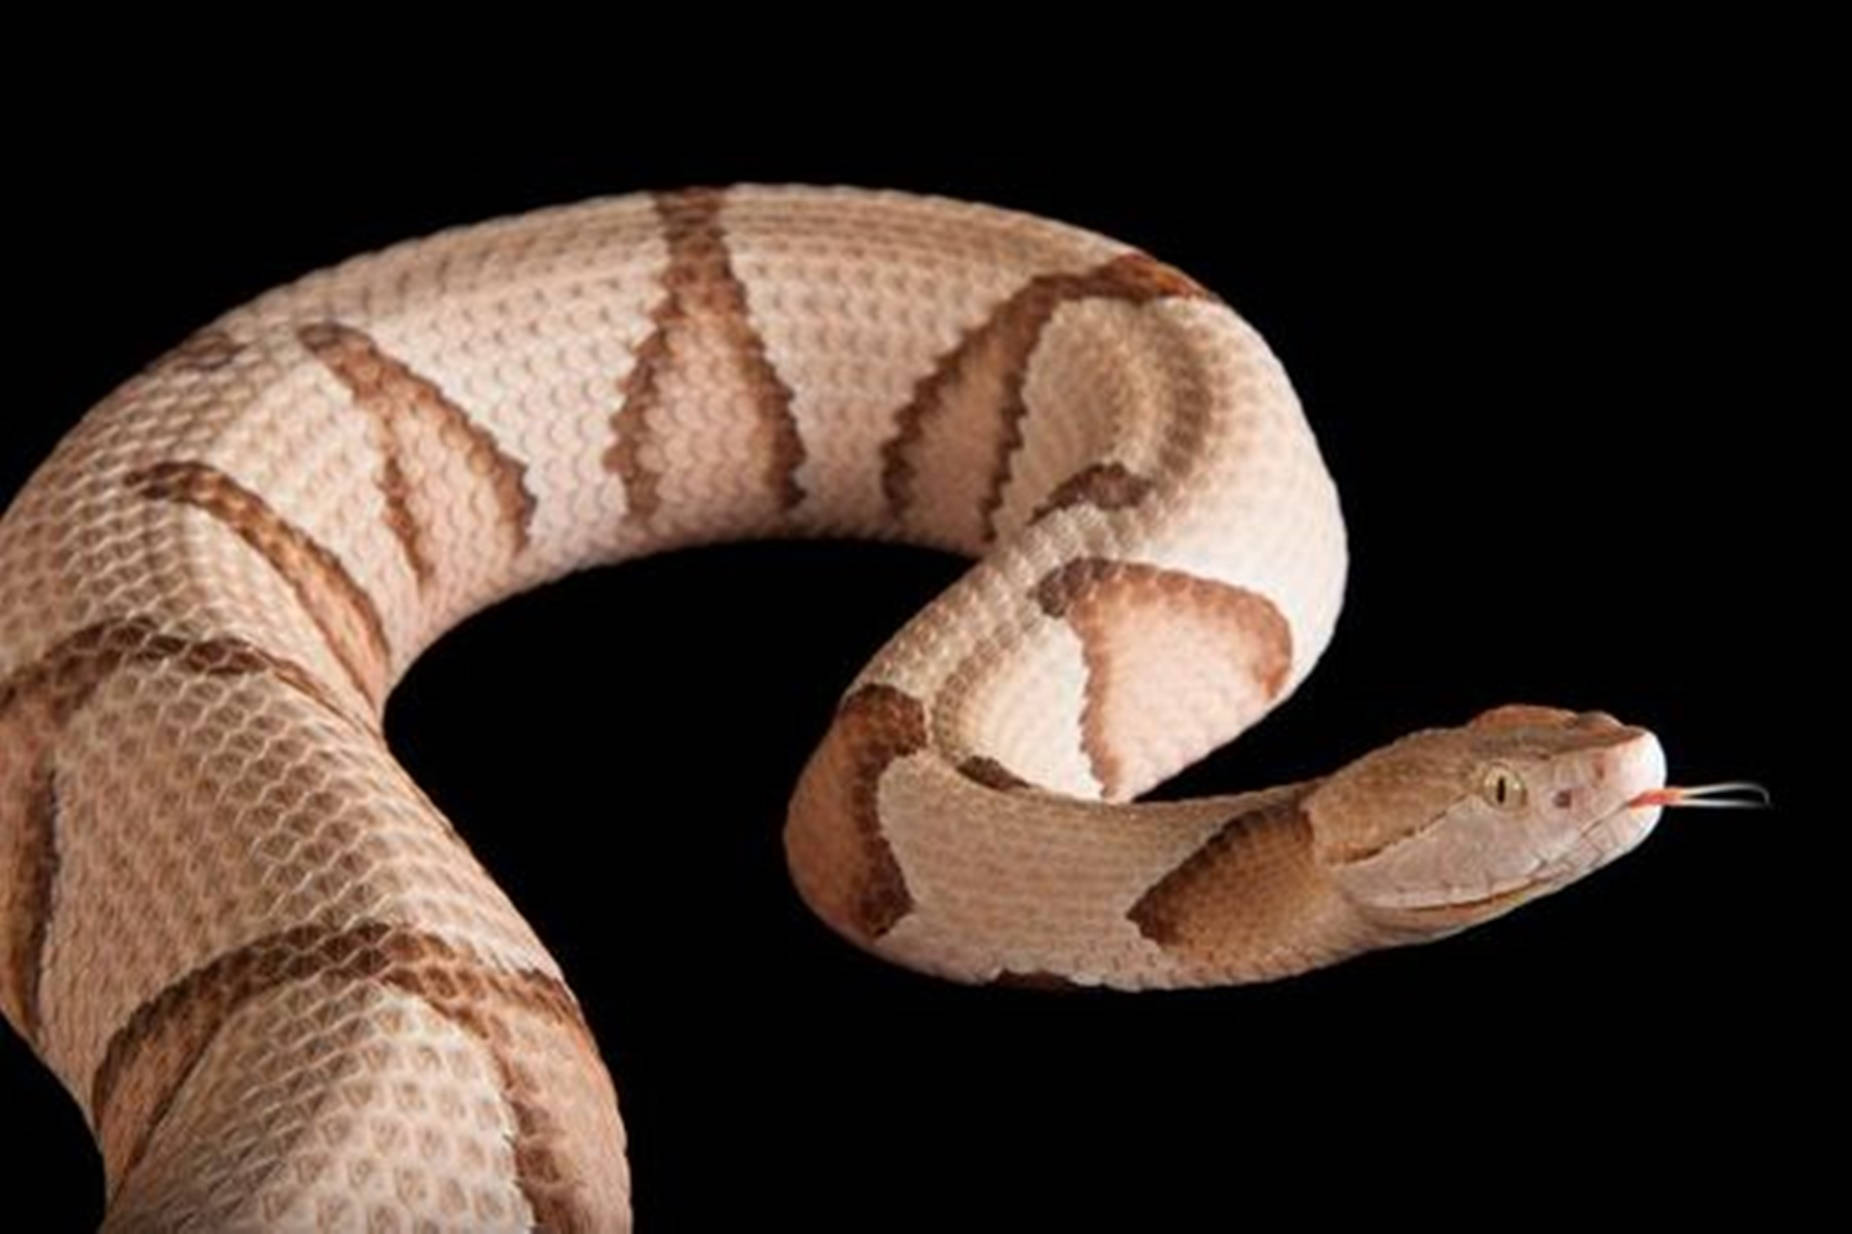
1451	827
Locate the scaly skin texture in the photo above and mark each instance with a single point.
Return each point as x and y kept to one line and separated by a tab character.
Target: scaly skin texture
283	990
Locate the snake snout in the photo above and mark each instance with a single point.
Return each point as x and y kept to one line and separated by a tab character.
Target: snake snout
1632	768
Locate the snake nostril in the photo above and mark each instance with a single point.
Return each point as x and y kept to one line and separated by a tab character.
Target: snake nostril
1563	798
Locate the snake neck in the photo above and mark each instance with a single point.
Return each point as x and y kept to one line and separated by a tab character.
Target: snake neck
1251	902
1160	894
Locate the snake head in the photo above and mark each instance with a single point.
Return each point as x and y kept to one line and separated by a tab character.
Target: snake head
1450	827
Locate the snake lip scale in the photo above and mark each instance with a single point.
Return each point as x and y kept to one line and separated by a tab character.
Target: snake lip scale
284	991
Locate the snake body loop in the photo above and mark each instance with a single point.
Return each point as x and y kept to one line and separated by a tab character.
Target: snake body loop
285	993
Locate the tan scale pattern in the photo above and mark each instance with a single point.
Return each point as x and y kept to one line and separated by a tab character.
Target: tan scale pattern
416	420
345	614
206	351
990	773
1095	361
875	726
29	867
385	1112
1105	486
1206	913
1165	652
288	996
702	357
160	1046
35	704
963	426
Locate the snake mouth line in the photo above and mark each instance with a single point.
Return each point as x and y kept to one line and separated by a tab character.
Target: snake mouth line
1498	899
1542	878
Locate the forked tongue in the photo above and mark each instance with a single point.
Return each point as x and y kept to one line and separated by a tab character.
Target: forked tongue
1727	795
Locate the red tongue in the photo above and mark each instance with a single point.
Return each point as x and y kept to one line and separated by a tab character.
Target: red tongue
1730	794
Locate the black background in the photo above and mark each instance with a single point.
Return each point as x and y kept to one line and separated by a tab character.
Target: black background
1547	350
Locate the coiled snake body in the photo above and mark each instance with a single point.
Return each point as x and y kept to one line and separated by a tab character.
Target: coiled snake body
283	991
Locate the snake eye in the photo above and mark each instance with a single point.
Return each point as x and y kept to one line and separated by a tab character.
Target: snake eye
1502	787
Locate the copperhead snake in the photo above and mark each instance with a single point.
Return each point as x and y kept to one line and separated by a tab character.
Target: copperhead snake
284	992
